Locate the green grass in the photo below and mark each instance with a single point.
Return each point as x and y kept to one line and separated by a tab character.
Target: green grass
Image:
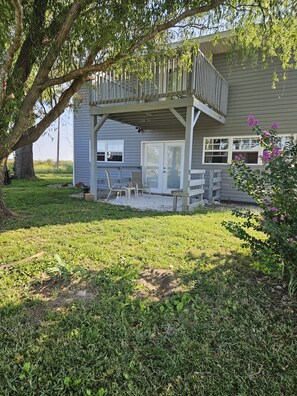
228	330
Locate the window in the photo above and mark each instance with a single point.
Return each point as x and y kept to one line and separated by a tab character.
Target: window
216	151
247	148
223	150
110	150
284	142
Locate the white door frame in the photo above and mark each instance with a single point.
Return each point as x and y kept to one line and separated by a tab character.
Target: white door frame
162	179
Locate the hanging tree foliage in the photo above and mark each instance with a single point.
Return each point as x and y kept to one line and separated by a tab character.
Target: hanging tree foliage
49	49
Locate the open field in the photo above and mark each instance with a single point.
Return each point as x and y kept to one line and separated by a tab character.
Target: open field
98	299
48	166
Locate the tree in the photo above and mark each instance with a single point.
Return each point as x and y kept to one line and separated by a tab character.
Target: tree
23	163
49	49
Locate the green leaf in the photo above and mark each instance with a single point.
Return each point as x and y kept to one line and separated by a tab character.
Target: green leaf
67	381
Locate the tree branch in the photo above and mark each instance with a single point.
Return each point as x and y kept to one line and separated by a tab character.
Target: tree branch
15	45
23	134
26	109
29	49
58	42
84	71
32	134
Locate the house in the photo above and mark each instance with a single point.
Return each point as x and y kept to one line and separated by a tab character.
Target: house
183	127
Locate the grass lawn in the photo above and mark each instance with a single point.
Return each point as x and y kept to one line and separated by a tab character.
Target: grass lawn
100	300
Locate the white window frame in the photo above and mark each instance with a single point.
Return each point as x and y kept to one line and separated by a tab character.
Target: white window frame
121	141
230	149
218	150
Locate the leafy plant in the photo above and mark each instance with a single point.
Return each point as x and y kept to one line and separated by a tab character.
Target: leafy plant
274	189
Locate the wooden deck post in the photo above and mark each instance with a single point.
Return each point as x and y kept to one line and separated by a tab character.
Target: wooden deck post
192	117
210	185
95	126
188	155
93	183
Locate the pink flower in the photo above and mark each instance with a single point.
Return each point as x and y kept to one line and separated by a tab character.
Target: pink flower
290	239
266	134
275	151
275	219
274	209
275	125
266	157
238	157
282	218
251	121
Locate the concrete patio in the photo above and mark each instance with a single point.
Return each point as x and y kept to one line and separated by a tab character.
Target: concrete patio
161	203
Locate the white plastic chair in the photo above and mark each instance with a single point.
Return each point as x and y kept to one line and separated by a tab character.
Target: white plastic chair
117	187
136	179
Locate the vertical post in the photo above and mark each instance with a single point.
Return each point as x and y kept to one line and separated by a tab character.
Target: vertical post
93	183
210	185
188	155
95	126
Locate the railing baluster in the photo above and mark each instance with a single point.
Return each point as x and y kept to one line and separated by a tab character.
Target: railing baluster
169	79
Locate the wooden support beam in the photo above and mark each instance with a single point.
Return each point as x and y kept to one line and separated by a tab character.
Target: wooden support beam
188	156
191	120
95	126
138	107
209	111
179	117
100	123
196	116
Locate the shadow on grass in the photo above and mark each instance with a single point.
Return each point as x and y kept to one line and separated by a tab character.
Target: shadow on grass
54	206
86	332
37	205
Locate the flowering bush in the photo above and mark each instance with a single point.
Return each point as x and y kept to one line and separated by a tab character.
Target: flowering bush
274	189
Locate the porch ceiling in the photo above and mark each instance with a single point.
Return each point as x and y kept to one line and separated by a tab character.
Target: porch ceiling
153	120
154	115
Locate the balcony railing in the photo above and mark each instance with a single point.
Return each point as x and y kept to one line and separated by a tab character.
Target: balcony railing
168	79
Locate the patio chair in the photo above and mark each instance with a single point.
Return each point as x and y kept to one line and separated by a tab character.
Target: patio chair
116	187
136	179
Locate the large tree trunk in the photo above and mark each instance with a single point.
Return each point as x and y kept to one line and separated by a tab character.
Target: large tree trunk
4	211
23	164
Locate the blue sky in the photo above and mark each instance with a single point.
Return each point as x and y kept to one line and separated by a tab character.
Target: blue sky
46	146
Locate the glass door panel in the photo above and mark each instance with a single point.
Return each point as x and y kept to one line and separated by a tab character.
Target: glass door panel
173	166
163	166
153	166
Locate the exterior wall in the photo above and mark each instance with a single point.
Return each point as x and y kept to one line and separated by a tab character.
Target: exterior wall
250	92
81	137
111	130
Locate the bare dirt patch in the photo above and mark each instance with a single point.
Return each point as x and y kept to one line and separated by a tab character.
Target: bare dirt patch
57	292
54	294
157	284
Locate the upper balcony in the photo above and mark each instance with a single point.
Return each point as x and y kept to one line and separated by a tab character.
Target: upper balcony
169	80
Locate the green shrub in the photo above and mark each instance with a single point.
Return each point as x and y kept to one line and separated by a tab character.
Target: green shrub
274	189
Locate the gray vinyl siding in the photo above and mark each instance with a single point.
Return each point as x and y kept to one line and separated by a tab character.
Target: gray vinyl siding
81	137
111	130
250	92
